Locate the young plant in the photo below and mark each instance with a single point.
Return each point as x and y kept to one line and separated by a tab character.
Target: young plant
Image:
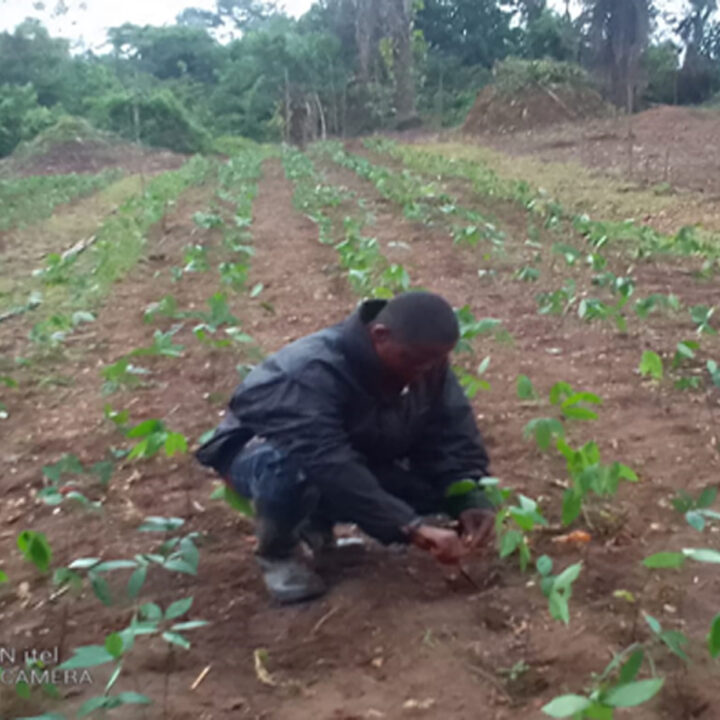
572	404
208	220
35	549
701	316
558	302
196	259
651	365
588	474
154	436
472	383
122	375
615	688
544	430
513	525
162	345
557	588
696	510
525	388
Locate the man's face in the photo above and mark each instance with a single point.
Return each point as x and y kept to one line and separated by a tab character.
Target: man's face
405	362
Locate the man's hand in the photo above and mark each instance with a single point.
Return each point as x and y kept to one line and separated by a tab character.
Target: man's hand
444	545
477	527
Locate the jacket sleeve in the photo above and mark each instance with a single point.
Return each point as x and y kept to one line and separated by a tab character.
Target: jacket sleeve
304	417
451	448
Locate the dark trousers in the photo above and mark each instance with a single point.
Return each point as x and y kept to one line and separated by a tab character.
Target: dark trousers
286	501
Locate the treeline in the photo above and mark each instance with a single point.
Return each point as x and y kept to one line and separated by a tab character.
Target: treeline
345	67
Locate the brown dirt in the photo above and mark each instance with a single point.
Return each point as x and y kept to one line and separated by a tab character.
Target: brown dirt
395	627
91	156
496	112
673	145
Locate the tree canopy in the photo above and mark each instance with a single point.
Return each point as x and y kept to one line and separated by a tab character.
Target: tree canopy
348	66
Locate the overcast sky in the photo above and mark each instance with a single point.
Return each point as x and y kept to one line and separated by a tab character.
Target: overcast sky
87	20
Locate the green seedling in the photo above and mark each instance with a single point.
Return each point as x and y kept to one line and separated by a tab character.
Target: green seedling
651	365
713	639
588	474
644	307
59	489
525	388
233	499
569	253
154	436
714	370
195	259
162	345
523	518
165	307
701	316
219	314
684	351
471	328
208	220
572	404
615	688
55	329
673	639
175	554
393	280
121	375
57	270
472	383
591	309
544	429
558	302
234	275
696	510
557	588
35	549
528	274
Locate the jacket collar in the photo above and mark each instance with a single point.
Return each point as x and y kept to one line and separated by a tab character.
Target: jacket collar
357	346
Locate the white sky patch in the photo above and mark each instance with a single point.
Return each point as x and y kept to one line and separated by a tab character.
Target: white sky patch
86	21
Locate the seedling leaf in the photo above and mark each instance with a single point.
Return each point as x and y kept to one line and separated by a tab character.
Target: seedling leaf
178	608
633	694
714	637
664	560
566	706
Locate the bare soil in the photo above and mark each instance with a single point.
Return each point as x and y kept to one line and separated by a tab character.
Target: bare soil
397	636
673	145
533	108
91	156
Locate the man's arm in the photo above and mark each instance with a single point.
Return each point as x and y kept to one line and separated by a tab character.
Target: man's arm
451	447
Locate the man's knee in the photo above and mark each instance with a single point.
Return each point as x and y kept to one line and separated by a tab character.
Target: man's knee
279	489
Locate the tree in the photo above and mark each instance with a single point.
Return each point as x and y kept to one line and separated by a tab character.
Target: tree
699	72
619	32
477	32
550	35
168	52
30	55
400	17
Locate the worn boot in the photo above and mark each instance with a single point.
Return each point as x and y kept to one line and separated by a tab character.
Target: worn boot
288	580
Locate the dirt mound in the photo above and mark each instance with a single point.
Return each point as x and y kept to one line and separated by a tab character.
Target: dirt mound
530	108
73	145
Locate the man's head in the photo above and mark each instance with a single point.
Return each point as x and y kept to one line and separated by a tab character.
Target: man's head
414	332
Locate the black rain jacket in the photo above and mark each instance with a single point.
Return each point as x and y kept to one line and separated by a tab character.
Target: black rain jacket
320	398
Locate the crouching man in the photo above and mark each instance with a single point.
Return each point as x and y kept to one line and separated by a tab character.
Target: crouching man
363	422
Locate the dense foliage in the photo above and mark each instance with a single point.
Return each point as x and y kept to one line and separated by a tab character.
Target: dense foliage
342	68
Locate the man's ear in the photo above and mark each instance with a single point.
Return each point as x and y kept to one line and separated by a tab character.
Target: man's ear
379	333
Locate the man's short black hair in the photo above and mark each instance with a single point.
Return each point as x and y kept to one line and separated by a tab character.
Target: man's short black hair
420	318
